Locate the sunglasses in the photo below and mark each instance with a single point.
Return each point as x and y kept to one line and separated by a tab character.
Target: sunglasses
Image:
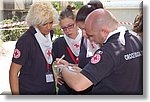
70	26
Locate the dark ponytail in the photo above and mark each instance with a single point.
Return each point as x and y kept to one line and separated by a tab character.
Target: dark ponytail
67	13
87	9
96	4
69	7
83	12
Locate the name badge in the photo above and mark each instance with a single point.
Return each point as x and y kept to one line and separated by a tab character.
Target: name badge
49	78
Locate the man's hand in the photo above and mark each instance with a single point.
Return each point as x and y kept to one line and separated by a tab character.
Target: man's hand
74	68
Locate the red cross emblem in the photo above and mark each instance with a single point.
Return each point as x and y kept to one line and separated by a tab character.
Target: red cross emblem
48	53
76	45
16	53
96	58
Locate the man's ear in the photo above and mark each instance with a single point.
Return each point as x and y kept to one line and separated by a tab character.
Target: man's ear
106	29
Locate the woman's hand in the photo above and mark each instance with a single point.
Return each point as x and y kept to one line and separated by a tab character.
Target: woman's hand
63	62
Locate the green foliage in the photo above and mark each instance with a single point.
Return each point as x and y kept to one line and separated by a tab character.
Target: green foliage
57	5
12	34
77	4
58	32
15	19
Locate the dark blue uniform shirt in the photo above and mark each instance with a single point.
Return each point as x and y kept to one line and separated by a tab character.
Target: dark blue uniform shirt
32	77
61	47
83	60
117	68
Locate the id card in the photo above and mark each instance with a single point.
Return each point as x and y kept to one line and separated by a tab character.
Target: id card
49	78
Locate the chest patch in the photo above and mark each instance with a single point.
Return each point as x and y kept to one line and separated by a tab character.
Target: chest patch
48	53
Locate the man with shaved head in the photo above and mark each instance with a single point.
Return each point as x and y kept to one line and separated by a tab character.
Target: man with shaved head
115	68
101	22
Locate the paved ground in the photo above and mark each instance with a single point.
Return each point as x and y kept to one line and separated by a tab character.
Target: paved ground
5	60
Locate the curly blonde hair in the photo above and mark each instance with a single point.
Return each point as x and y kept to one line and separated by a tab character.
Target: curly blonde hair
40	12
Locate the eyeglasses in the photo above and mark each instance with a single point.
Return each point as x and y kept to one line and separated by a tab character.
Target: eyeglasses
70	26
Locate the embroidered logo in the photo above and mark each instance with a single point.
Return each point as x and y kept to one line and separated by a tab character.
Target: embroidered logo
17	53
97	57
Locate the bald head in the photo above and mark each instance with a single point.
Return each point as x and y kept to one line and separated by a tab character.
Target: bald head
99	24
100	18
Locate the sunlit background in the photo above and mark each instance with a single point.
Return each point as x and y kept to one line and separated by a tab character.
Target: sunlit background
12	25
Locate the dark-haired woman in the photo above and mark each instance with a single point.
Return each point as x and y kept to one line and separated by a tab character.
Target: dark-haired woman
87	48
68	45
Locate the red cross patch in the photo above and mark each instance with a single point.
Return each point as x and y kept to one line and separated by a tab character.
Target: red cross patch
17	53
96	58
76	45
48	53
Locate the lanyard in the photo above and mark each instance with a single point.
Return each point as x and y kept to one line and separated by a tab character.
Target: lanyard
72	56
48	67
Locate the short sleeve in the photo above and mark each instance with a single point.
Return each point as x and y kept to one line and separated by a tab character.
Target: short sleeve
21	51
99	67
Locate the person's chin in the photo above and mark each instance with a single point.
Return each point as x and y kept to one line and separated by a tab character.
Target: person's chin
69	35
46	33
